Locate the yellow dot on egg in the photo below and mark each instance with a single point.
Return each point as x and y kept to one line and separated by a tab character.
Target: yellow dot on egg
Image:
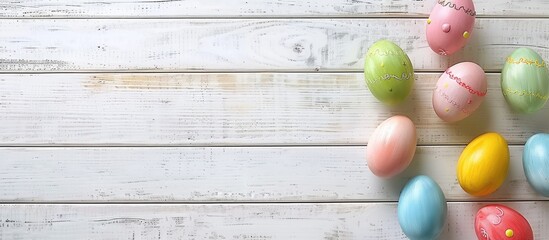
447	109
445	85
466	34
428	21
509	233
382	64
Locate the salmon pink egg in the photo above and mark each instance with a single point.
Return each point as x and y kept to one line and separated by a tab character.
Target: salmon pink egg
392	146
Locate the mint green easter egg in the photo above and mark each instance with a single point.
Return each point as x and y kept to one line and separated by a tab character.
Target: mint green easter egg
388	72
525	81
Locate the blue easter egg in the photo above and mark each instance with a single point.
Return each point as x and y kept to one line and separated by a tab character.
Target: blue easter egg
422	209
535	160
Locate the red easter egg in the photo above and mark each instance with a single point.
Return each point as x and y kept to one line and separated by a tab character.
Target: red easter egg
495	222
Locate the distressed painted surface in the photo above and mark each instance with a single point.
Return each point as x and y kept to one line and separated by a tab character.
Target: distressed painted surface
228	174
231	109
245	44
255	8
237	221
196	136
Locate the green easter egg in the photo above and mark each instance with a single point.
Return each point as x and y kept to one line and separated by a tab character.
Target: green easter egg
388	72
525	81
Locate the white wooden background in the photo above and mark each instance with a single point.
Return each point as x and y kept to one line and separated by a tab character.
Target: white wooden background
235	119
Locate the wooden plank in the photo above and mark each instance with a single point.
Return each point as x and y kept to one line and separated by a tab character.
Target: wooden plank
245	44
256	8
238	221
251	174
231	109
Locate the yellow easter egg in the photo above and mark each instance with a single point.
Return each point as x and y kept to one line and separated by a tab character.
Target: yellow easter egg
483	164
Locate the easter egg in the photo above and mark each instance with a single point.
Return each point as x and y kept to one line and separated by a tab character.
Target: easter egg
459	91
388	72
535	160
496	221
421	209
450	25
391	146
483	164
525	81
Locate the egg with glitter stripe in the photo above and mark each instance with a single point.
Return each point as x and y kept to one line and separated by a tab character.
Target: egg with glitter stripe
450	25
535	161
459	91
388	72
422	209
525	81
496	221
391	146
483	165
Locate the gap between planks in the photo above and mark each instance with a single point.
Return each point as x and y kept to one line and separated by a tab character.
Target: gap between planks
250	202
269	71
296	17
266	145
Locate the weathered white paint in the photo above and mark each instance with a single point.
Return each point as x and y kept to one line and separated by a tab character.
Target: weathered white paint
231	109
245	44
205	109
365	221
255	8
251	174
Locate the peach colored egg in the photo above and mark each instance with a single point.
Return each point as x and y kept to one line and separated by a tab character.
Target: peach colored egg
500	222
459	91
391	146
450	25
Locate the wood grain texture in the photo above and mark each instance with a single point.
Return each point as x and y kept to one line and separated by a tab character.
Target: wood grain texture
231	109
251	174
236	221
235	151
245	44
255	8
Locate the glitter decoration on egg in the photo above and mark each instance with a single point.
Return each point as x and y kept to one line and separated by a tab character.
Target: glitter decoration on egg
450	25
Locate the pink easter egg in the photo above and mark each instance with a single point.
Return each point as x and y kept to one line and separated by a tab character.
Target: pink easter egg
459	91
496	221
391	146
450	25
